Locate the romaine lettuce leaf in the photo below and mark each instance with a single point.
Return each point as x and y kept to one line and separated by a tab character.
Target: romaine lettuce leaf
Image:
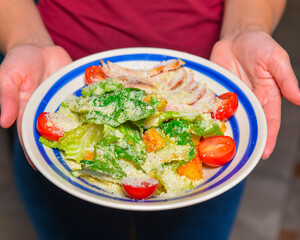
76	141
179	130
127	142
115	108
171	181
158	118
207	128
104	162
99	88
123	142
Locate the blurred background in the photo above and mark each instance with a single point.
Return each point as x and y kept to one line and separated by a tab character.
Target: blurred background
270	208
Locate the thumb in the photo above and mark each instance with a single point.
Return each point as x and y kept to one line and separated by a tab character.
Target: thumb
9	97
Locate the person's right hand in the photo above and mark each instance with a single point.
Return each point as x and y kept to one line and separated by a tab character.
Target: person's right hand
21	72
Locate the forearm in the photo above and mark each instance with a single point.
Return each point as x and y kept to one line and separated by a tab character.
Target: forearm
20	23
251	14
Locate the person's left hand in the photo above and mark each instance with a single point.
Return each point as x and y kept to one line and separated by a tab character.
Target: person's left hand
264	66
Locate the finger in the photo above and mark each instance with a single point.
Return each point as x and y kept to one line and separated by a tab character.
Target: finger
9	100
281	69
19	122
272	111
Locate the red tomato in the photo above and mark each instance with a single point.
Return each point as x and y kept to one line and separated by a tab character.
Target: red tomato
216	151
227	106
94	74
139	188
47	128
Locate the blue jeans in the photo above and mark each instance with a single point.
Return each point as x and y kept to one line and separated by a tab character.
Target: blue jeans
56	214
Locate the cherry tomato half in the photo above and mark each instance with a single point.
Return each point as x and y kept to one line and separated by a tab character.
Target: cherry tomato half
139	188
216	151
47	128
227	106
94	74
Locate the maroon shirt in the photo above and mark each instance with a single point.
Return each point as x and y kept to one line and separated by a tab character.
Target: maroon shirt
84	27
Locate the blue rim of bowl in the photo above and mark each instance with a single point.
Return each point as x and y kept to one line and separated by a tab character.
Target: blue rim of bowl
211	73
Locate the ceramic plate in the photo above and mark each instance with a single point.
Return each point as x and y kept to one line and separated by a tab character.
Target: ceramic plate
247	127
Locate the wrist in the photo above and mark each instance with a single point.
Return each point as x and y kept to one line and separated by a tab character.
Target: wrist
246	16
233	32
39	38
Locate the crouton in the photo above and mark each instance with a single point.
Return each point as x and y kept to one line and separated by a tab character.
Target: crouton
222	126
89	155
152	140
192	169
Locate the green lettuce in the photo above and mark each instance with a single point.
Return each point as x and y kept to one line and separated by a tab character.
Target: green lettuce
123	142
104	163
127	142
158	118
76	141
99	88
115	108
207	128
179	130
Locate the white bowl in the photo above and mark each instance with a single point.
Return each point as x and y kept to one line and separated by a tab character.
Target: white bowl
248	128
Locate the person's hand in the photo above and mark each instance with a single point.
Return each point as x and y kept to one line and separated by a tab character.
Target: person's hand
21	72
265	68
